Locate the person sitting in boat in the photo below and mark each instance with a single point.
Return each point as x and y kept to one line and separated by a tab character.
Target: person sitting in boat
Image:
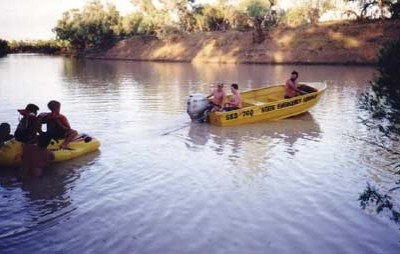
292	87
5	133
218	98
58	126
29	125
236	100
36	157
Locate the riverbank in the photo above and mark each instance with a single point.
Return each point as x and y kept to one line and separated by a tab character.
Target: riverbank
330	43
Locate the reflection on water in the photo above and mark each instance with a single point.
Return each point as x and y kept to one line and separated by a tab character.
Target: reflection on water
288	186
251	145
255	136
46	201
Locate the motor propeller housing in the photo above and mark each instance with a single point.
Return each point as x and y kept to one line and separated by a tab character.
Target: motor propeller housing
197	104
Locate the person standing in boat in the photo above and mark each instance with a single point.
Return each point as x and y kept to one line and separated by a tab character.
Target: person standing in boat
236	100
292	86
218	98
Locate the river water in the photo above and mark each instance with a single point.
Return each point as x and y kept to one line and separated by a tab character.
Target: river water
162	185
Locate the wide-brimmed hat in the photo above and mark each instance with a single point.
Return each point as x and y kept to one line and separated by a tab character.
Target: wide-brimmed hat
30	108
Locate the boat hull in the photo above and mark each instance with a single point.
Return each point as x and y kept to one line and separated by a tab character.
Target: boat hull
268	104
11	151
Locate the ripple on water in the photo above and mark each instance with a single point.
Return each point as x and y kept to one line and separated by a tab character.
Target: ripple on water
163	185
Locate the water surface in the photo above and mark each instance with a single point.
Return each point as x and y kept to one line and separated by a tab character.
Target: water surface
162	185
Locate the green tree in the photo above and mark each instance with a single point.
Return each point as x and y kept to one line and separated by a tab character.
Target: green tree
94	26
38	46
297	16
208	18
4	48
254	8
393	6
132	24
235	19
383	104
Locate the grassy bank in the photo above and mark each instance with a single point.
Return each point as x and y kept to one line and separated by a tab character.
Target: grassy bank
329	43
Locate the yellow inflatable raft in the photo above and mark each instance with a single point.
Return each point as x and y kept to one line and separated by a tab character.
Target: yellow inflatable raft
11	151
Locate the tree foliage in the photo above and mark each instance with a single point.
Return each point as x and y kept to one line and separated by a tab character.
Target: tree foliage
383	104
4	48
382	100
254	8
38	46
383	9
99	26
95	26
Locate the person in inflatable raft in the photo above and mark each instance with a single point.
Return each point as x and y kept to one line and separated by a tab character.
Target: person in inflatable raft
58	126
5	133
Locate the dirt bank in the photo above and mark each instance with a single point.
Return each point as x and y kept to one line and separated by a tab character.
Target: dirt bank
344	43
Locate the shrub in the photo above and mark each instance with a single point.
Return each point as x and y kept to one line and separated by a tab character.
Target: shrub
4	48
254	8
94	26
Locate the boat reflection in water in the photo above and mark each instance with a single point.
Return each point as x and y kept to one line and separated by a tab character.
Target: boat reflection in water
251	145
41	203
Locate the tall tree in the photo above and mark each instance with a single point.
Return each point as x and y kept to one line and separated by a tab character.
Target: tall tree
94	26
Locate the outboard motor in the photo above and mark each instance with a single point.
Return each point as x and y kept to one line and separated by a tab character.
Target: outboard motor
197	105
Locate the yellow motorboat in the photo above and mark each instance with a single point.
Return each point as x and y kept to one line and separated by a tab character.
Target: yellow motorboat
11	151
267	103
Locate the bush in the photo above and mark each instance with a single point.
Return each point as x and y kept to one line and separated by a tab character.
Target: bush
4	48
254	8
382	101
236	20
389	62
94	26
297	16
208	18
37	46
131	24
383	104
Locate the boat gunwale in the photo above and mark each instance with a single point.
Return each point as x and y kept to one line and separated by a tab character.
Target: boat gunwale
220	114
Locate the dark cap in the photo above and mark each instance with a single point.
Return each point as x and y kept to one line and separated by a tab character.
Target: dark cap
30	107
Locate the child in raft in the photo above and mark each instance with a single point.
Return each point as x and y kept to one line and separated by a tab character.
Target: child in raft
5	133
29	125
58	126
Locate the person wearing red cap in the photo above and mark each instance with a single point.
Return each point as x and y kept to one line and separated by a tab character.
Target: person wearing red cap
58	126
29	125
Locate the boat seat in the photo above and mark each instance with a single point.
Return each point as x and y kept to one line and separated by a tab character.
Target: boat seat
254	102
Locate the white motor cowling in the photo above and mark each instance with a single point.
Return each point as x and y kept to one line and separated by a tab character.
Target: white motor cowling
197	104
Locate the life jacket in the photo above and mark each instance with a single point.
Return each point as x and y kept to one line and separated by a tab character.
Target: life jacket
27	127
